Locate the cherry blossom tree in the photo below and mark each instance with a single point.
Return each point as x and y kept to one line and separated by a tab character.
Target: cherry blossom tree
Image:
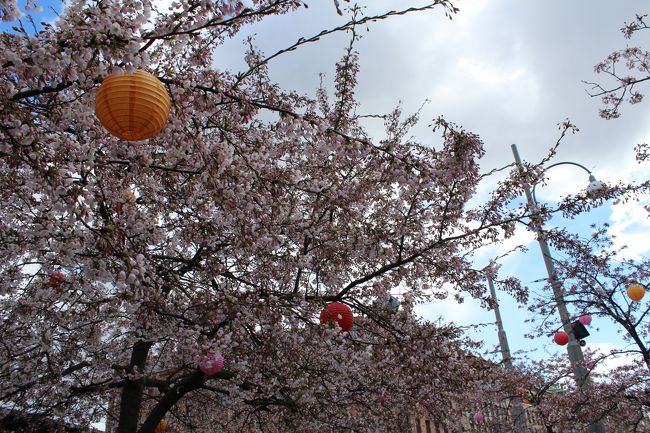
125	263
595	277
626	70
617	398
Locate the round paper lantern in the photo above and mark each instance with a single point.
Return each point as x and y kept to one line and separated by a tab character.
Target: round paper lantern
590	365
211	364
162	426
585	319
339	313
561	338
132	106
478	417
636	292
128	196
56	280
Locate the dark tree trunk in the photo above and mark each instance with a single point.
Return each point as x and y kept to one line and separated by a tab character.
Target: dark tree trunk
131	400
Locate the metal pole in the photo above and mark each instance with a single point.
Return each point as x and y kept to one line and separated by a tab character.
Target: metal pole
503	339
573	348
517	408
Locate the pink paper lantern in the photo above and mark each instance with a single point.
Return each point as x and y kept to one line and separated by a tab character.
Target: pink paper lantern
211	364
590	365
478	417
585	319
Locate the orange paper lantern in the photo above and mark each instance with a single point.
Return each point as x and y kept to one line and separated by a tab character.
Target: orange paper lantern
339	313
132	106
636	292
162	426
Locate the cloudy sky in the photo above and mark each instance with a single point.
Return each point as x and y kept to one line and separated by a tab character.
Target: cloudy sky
508	70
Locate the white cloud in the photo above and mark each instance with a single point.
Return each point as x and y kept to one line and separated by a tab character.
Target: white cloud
630	224
450	311
471	11
609	363
522	237
488	74
466	313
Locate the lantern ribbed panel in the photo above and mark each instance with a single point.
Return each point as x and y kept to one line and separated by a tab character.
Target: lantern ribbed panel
56	279
585	319
339	313
636	292
162	426
132	107
211	364
561	338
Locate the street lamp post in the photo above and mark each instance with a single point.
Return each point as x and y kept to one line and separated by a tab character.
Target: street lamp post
503	339
573	348
517	409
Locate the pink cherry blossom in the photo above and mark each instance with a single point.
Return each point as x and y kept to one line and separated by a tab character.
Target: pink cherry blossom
254	208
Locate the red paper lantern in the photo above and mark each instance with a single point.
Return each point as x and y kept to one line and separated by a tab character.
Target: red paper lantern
56	280
211	364
561	338
338	313
585	319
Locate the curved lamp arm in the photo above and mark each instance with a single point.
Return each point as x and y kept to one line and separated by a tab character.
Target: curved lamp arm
594	184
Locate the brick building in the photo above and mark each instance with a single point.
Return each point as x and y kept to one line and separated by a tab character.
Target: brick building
498	415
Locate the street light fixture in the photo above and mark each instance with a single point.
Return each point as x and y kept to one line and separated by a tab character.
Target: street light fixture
573	348
594	184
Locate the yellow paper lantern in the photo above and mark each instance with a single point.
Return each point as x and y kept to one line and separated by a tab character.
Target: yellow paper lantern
162	426
636	292
132	106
